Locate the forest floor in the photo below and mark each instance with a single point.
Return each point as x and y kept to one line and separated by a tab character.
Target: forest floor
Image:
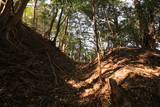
127	77
33	73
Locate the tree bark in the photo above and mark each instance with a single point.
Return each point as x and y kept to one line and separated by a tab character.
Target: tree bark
97	36
48	33
8	19
5	14
34	13
107	21
62	44
58	27
147	26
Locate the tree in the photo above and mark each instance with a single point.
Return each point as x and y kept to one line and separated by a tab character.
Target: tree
35	13
62	42
48	33
12	14
95	17
145	11
58	27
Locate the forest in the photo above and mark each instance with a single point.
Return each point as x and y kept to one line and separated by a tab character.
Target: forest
79	53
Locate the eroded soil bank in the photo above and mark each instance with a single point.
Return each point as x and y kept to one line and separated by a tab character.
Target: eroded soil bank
33	73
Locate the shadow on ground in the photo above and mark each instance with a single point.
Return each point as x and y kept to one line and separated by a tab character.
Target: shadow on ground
33	73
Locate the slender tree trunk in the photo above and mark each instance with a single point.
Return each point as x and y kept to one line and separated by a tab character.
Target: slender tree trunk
48	33
109	25
131	30
44	21
35	13
80	49
97	36
58	27
135	38
116	29
159	27
113	29
94	12
107	21
62	45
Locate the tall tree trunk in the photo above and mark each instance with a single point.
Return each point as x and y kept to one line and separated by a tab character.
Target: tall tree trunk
62	44
151	24
159	26
134	37
80	48
107	21
108	25
97	36
116	41
147	26
35	13
48	33
58	27
114	28
140	16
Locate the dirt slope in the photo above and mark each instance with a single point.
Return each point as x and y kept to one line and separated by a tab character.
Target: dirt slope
33	73
130	77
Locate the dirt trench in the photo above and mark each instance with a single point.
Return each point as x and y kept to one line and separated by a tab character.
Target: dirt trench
33	73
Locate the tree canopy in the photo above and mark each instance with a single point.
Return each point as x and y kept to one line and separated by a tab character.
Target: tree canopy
81	27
